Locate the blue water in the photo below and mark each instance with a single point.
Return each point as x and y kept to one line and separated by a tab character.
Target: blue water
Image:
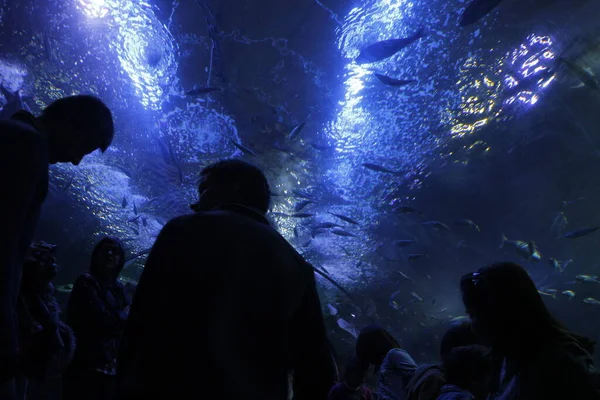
464	142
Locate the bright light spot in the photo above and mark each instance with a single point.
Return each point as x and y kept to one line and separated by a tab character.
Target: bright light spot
93	8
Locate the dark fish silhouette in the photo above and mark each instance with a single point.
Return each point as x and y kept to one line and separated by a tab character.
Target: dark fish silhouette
243	148
477	10
302	215
344	218
403	243
386	80
580	233
386	48
202	90
297	129
378	168
299	206
585	75
341	232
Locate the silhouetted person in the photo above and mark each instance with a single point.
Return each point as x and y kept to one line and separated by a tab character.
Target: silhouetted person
428	379
67	130
536	357
97	312
225	307
395	367
467	370
352	385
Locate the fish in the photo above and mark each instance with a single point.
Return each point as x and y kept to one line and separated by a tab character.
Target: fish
527	250
378	168
135	210
386	80
416	297
404	242
585	75
587	279
548	292
201	91
341	232
14	103
469	223
297	129
124	202
332	309
65	288
345	219
296	231
348	327
580	233
476	10
405	209
591	301
243	148
416	256
326	225
568	293
134	219
437	225
302	215
403	275
558	265
302	195
299	206
144	221
386	48
370	308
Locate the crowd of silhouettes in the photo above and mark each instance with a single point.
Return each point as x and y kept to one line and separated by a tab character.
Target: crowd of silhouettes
226	308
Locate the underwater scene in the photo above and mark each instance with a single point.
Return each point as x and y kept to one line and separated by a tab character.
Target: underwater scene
406	142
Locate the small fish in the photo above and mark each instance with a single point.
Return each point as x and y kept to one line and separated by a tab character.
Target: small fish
135	210
403	275
124	202
587	279
405	209
242	148
134	219
344	250
68	184
302	195
548	292
327	225
386	80
378	168
527	250
341	232
332	309
297	129
417	256
403	243
568	293
65	288
469	223
299	206
370	308
558	265
135	231
386	48
591	301
585	75
296	231
579	233
200	91
274	194
476	10
144	221
416	297
317	231
348	327
344	218
437	225
302	215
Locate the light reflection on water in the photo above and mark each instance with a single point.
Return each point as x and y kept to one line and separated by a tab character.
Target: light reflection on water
145	47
